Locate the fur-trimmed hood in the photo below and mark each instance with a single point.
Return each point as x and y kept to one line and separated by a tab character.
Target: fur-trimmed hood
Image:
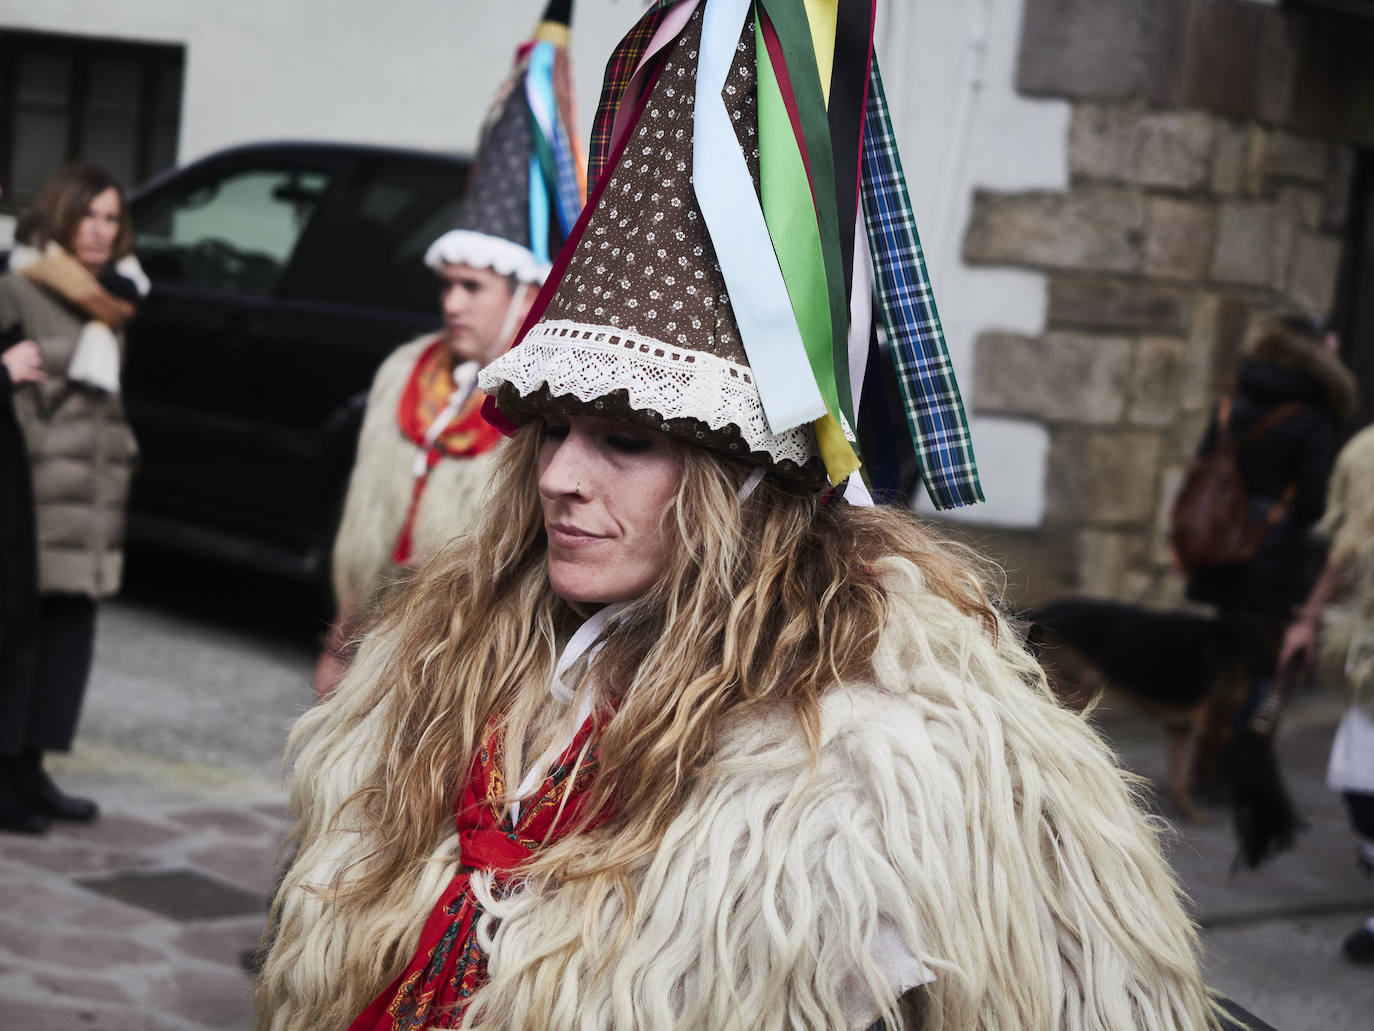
1288	367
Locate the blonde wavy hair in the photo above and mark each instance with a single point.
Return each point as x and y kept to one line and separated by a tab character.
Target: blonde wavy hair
766	601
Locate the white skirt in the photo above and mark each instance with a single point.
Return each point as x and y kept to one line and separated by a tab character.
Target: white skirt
1352	753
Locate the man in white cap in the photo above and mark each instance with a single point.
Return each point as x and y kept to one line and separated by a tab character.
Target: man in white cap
424	452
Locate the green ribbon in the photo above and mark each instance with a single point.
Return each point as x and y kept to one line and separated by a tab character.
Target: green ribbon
790	215
794	34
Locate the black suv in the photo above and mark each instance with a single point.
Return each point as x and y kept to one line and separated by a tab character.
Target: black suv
282	275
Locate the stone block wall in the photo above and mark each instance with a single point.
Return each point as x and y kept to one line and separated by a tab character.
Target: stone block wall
1206	192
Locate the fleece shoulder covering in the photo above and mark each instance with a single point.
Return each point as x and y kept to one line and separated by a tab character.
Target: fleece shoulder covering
381	485
951	799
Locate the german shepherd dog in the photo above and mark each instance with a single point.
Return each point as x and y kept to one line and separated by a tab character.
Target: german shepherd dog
1187	669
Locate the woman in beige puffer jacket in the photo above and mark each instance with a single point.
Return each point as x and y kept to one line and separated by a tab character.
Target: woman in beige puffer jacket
65	293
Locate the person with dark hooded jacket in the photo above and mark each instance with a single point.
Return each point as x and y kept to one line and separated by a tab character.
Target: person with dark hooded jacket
1291	396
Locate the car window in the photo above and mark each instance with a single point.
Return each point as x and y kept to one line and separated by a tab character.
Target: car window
372	254
235	233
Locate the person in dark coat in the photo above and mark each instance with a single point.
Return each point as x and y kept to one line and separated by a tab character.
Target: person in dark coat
1291	396
1292	393
20	362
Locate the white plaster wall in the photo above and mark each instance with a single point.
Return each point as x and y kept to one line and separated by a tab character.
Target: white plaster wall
413	73
950	71
420	73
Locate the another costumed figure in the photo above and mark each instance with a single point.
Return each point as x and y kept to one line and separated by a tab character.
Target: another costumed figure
1336	627
424	453
694	738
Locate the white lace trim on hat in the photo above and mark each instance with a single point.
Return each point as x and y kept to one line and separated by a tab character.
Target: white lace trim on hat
466	247
590	362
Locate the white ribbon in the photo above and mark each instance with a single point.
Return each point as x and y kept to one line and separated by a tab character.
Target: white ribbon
856	492
514	316
580	641
579	644
860	312
749	485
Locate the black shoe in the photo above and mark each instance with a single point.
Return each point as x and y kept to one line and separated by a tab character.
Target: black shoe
17	816
1359	946
47	798
22	821
59	805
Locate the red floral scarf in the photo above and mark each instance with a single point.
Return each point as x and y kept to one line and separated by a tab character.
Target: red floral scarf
448	966
425	398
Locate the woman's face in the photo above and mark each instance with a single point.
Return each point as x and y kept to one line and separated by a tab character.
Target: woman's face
604	486
93	244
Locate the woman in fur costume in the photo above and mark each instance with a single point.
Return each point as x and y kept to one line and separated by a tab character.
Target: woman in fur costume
685	739
823	773
1341	606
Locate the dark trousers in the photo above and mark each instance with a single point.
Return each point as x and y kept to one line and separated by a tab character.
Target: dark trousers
41	716
1361	809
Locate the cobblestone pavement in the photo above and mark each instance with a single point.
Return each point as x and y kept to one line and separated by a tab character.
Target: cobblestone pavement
136	922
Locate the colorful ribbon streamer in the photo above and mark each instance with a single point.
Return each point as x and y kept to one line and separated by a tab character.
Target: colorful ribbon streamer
725	194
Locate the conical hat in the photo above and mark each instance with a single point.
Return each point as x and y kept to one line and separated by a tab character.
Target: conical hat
512	220
748	277
640	327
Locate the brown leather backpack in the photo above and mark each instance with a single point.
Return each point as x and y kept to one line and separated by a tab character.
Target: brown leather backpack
1209	523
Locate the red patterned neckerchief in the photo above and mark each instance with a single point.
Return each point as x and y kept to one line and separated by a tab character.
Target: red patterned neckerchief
449	965
465	434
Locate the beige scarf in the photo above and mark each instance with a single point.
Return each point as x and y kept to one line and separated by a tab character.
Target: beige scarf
96	358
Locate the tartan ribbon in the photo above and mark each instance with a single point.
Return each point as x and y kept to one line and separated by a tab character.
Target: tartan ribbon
619	70
930	394
571	191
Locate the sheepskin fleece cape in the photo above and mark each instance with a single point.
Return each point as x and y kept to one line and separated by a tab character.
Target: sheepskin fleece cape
1347	627
379	491
952	801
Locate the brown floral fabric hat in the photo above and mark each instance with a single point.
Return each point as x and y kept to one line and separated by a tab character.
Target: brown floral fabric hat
525	189
640	327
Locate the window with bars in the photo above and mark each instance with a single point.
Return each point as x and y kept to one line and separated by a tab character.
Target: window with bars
70	98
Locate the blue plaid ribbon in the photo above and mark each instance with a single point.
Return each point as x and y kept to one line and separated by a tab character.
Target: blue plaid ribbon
934	409
565	164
